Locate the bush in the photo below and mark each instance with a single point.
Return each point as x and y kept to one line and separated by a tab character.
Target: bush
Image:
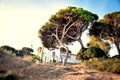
8	77
87	53
36	58
110	65
80	54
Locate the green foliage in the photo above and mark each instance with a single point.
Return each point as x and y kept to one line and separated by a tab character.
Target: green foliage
7	48
81	54
35	58
76	11
27	50
87	53
97	27
110	65
109	18
95	41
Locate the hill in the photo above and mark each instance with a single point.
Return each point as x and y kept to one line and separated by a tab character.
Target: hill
24	70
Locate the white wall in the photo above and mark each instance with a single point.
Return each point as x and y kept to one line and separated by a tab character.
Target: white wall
58	56
71	58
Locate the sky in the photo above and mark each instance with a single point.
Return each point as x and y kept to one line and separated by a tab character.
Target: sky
20	20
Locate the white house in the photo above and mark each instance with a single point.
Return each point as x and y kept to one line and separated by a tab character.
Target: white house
71	58
55	55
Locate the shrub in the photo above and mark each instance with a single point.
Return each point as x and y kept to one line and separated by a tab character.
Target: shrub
110	65
87	53
80	54
8	77
36	58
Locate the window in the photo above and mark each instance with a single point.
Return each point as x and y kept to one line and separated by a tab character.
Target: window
53	53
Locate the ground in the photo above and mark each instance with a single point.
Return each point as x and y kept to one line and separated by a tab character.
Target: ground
25	70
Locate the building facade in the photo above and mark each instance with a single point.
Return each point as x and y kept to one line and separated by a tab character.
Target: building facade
54	55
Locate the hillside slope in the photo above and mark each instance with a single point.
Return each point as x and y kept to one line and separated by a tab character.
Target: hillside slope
50	71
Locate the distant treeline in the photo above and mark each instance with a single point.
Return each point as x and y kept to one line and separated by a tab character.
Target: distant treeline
10	50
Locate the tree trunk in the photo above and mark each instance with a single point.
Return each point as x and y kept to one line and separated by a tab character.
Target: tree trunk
81	43
104	48
117	46
67	54
61	59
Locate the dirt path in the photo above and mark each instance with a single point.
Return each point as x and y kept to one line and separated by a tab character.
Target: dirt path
54	71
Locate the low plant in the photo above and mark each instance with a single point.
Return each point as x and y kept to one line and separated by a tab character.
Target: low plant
8	77
92	52
110	65
36	58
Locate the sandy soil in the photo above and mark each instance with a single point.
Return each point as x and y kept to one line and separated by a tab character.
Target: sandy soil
51	71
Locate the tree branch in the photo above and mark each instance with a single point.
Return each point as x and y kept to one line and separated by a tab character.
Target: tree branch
63	34
69	27
57	38
101	34
57	31
71	37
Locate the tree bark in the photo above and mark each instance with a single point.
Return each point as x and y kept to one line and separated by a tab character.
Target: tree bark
67	54
81	43
61	44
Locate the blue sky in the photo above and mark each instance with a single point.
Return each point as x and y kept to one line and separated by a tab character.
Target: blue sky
21	19
100	7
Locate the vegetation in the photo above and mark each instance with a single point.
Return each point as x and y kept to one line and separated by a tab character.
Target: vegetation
7	49
92	52
113	19
95	41
110	65
36	58
108	28
8	77
66	26
25	51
